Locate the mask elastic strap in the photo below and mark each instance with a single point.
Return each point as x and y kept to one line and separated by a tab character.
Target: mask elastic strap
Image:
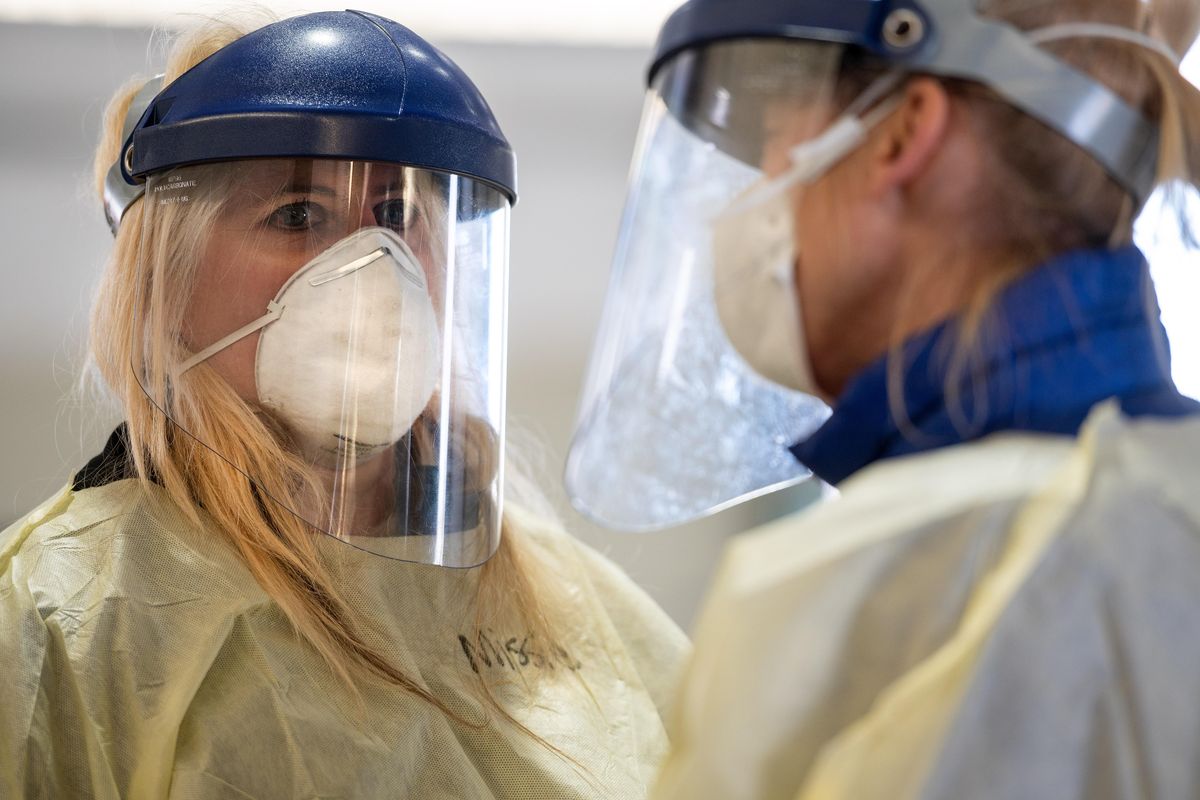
839	139
876	91
1097	30
849	130
274	312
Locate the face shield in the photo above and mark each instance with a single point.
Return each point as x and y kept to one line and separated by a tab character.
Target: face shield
674	421
723	217
355	312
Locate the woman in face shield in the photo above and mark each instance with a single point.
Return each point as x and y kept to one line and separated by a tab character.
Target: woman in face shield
290	573
921	213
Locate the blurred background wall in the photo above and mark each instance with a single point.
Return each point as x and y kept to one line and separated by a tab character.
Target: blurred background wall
571	111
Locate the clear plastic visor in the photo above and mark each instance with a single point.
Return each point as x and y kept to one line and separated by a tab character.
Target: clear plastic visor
673	423
335	332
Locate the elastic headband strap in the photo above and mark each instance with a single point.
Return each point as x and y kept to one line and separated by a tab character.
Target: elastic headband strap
1097	30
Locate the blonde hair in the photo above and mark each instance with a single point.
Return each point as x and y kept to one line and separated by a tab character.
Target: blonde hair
1052	195
1043	194
209	482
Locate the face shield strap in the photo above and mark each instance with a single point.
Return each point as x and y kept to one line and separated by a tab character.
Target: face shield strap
1071	102
951	39
119	195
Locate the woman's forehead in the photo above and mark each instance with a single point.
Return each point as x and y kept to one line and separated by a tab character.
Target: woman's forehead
302	175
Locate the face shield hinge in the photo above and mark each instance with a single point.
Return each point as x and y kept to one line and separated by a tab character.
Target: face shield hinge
119	193
903	29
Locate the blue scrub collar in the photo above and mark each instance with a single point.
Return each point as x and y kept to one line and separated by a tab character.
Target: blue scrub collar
1076	331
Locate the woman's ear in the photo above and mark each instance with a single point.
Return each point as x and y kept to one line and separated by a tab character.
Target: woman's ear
907	142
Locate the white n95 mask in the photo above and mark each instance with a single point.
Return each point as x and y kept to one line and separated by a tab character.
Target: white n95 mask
754	285
754	255
348	357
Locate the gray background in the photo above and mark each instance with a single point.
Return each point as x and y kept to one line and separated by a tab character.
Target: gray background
571	114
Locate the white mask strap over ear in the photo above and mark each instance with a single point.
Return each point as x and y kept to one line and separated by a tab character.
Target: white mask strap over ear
814	157
274	312
406	258
1097	30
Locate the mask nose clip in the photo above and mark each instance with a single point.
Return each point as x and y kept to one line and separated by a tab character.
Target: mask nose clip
405	259
350	268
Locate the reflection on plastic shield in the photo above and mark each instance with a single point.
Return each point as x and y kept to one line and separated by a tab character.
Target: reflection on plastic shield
685	434
674	425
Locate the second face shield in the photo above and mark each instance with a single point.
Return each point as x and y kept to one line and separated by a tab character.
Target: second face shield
357	310
674	423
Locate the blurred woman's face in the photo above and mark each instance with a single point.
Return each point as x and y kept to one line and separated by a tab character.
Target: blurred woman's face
843	268
832	254
280	215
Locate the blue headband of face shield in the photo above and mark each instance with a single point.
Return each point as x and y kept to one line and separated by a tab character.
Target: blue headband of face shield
950	38
340	85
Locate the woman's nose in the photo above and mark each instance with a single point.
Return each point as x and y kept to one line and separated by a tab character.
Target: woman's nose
366	216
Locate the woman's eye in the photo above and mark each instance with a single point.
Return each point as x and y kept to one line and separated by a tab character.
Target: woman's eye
393	214
295	217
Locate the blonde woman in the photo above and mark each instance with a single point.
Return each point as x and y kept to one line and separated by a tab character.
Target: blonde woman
290	573
922	213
